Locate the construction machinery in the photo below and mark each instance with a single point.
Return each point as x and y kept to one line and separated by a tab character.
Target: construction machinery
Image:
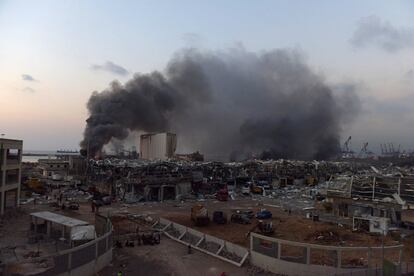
260	187
35	185
73	205
150	239
248	213
264	214
240	218
257	189
219	217
199	214
265	228
310	180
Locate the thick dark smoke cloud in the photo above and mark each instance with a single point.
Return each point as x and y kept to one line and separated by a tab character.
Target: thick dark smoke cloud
228	104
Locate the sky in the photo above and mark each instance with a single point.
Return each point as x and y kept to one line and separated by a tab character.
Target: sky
54	54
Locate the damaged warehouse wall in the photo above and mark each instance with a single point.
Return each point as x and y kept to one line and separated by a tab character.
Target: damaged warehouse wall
144	180
381	187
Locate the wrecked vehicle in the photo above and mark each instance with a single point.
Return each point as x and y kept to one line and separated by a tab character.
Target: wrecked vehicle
219	217
264	214
240	218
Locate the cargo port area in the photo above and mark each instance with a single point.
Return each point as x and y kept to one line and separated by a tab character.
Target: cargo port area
206	138
253	217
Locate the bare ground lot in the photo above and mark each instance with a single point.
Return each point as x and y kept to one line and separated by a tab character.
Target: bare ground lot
290	227
294	227
171	258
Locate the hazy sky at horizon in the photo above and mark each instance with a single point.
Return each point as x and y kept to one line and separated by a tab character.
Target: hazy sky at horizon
54	54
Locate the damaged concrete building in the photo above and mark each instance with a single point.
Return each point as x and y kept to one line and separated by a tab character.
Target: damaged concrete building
373	200
151	181
380	187
158	146
158	182
56	169
135	180
10	168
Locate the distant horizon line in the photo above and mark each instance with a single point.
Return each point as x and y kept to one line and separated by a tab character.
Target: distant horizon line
49	151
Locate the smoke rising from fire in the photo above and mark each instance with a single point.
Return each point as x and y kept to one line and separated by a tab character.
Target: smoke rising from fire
228	104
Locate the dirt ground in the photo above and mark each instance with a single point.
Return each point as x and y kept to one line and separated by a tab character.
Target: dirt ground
297	228
294	227
170	258
15	233
291	228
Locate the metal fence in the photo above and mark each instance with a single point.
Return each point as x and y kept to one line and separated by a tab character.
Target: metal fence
310	259
76	257
405	269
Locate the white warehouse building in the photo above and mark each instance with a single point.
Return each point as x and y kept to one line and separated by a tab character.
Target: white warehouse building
158	146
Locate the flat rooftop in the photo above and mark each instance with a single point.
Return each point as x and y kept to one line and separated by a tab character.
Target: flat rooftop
11	141
59	219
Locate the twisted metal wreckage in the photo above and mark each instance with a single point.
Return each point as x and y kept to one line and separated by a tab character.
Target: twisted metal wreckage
138	180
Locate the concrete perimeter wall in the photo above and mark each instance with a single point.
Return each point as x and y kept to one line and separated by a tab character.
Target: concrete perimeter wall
294	258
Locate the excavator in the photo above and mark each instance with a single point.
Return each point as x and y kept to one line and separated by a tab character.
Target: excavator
199	214
35	185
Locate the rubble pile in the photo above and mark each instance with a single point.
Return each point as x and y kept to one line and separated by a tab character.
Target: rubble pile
131	180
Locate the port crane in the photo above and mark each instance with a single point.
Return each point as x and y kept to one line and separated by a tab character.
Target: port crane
389	150
364	151
346	149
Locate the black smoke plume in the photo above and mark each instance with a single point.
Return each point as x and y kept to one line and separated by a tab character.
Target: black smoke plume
227	103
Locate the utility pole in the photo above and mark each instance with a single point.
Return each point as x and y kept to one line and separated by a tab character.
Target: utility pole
383	248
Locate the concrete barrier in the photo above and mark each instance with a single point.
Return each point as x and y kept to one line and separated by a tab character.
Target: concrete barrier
214	239
226	251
